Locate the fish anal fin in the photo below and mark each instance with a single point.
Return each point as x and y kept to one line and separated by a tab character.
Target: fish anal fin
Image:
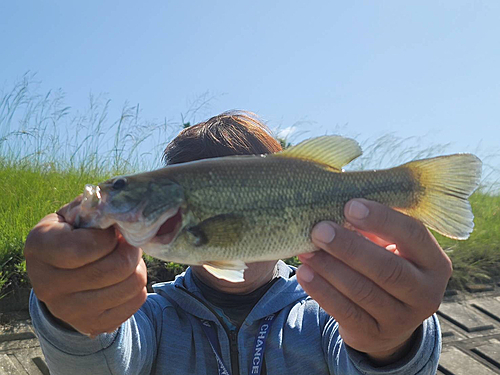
330	150
232	270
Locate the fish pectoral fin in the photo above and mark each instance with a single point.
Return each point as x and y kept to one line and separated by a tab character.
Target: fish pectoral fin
232	270
219	231
331	150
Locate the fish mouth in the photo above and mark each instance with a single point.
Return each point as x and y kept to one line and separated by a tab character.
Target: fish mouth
169	229
138	232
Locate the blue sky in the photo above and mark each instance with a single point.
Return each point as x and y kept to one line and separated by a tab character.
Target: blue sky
360	68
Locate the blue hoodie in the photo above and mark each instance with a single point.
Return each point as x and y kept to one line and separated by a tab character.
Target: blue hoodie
166	337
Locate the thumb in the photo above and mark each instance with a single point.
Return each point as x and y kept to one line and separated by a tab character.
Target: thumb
70	210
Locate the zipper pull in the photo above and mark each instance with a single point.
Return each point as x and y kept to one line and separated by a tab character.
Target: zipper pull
233	337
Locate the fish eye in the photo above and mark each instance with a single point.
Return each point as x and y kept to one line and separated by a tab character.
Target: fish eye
119	183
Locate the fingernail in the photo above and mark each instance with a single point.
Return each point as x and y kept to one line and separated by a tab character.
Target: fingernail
323	232
305	273
307	255
357	210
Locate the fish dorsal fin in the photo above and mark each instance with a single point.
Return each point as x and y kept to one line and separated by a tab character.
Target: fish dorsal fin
231	270
331	150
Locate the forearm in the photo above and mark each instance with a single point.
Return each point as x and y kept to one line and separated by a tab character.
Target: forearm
128	350
421	359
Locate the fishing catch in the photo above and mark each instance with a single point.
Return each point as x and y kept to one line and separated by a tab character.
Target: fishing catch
224	212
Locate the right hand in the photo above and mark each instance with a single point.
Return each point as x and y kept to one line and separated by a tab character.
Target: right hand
90	279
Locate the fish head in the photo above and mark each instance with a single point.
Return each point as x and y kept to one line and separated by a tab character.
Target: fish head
139	206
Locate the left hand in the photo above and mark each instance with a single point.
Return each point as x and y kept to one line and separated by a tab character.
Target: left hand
378	293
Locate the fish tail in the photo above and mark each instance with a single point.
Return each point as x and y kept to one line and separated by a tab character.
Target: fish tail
445	184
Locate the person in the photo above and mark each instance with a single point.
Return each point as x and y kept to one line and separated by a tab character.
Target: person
361	304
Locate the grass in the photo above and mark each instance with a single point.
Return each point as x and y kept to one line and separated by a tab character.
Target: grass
43	167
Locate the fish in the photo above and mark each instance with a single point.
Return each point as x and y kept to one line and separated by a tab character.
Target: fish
225	212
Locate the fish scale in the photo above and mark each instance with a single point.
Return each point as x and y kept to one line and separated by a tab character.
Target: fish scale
278	210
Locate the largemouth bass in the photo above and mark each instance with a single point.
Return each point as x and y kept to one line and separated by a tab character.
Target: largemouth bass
224	212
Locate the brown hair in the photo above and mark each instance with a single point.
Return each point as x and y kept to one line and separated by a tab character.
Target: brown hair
230	133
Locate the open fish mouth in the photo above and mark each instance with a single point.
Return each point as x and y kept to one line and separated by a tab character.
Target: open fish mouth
169	229
163	231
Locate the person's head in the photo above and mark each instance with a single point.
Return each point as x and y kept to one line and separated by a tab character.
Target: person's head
230	133
227	134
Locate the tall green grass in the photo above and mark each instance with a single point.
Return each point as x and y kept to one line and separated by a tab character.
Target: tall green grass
48	152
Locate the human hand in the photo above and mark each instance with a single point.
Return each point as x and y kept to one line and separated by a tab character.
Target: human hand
379	291
90	279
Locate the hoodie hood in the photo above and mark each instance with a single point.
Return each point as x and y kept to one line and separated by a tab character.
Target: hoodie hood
184	292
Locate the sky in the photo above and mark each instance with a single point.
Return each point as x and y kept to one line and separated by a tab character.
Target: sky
427	69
